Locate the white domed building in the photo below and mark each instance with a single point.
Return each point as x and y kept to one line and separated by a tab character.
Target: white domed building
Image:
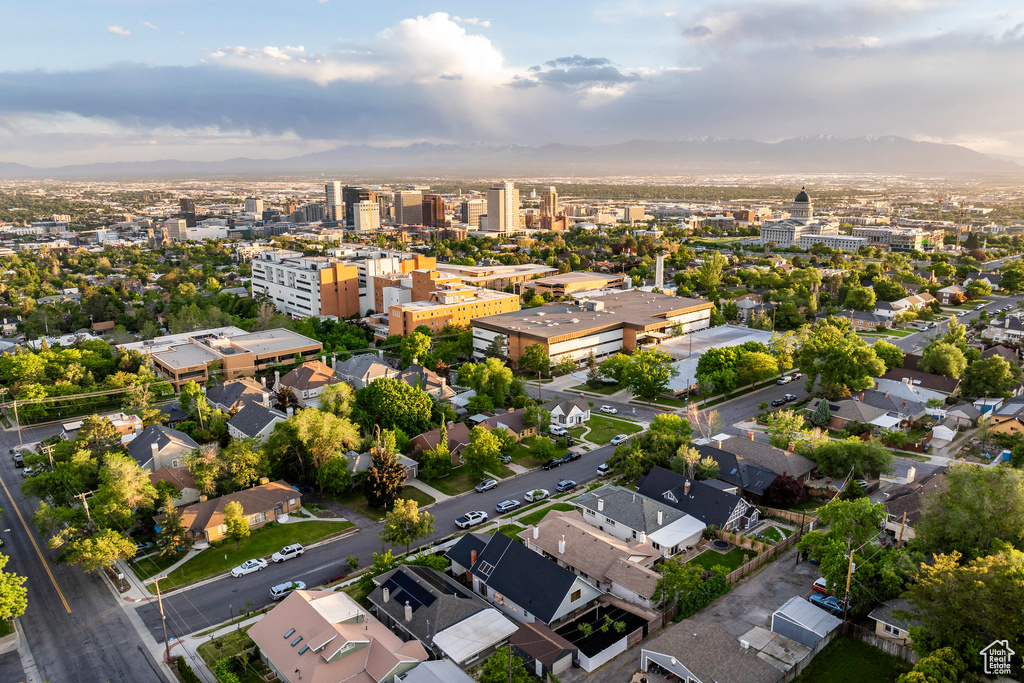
801	230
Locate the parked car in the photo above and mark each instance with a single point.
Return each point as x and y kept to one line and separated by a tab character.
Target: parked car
570	441
863	483
602	469
784	380
288	552
19	460
609	410
797	375
565	485
557	431
281	590
619	438
828	603
570	456
507	506
931	325
505	459
471	519
248	567
789	398
486	485
778	402
143	546
820	585
979	307
551	464
31	470
536	494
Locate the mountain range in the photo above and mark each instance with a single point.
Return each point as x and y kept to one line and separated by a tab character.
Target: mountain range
694	155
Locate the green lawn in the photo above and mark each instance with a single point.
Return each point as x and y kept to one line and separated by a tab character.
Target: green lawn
6	628
153	565
460	481
523	453
776	534
607	389
230	645
357	501
509	530
848	660
261	543
731	560
603	429
538	515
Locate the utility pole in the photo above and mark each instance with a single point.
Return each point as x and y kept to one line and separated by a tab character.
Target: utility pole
48	449
163	617
510	663
21	443
899	543
846	598
85	504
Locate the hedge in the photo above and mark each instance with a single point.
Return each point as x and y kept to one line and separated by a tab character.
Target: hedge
187	674
708	592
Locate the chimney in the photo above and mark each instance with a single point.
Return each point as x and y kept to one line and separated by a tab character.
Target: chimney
790	446
600	504
876	386
862	396
643	537
155	449
387	595
277	379
686	491
750	435
660	517
536	533
561	546
289	411
323	359
719	444
472	557
408	611
415	361
511	409
380	354
266	399
334	362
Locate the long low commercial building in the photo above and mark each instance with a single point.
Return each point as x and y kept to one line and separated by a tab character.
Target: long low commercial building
603	325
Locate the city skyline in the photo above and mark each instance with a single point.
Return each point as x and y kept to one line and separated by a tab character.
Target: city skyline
145	81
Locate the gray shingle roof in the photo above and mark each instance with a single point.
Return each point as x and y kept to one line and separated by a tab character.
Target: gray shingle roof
629	509
884	613
703	502
710	653
254	418
767	457
141	447
236	391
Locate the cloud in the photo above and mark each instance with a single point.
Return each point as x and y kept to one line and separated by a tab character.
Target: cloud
473	21
699	31
118	30
149	25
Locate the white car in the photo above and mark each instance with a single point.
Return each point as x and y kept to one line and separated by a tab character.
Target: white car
283	589
248	567
471	519
616	440
536	494
785	380
557	431
609	410
288	552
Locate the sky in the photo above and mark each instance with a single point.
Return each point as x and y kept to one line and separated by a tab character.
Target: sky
85	81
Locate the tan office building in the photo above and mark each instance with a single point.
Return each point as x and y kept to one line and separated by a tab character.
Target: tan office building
448	302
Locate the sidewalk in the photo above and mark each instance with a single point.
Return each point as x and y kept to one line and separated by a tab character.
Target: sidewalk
136	588
188	647
430	490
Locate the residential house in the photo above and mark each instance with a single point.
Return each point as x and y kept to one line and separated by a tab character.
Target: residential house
543	651
803	622
910	383
307	381
128	426
629	516
953	295
326	636
704	652
360	462
570	412
443	615
359	371
512	420
848	411
862	320
945	430
1009	328
751	304
436	671
1007	353
964	414
233	394
182	481
260	504
889	625
904	503
912	302
1009	417
158	446
173	415
907	410
458	439
699	499
993	280
9	326
763	457
610	564
254	421
988	405
524	584
428	381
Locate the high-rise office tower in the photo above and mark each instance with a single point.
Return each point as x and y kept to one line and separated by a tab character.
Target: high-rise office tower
366	216
253	205
187	205
408	207
335	206
313	213
352	196
503	209
549	202
472	209
433	211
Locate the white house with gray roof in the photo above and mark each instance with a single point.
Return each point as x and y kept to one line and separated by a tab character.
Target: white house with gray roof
254	421
628	516
359	371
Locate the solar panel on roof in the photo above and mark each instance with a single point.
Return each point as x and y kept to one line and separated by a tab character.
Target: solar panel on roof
416	594
435	581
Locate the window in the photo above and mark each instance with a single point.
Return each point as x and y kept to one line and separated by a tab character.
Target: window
591	512
610	522
575	595
258	518
891	630
174	463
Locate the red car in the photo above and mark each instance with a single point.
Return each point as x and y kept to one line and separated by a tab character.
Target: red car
820	586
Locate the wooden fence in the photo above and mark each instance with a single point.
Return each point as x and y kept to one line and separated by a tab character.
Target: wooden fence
771	553
887	645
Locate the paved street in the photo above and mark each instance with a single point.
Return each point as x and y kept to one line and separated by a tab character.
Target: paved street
914	343
75	627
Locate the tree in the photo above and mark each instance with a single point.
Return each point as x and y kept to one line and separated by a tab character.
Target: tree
13	595
435	463
982	508
784	346
860	298
685	462
99	435
389	403
753	367
706	423
783	492
483	454
491	378
323	435
821	415
498	348
843	362
837	458
173	536
964	606
204	465
614	367
497	668
536	416
707	468
337	399
193	401
888	290
670	423
236	522
785	427
648	373
991	377
243	463
333	476
943	359
415	348
385	478
96	552
977	289
709	273
124	486
138	400
677	581
941	666
404	523
535	358
890	354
